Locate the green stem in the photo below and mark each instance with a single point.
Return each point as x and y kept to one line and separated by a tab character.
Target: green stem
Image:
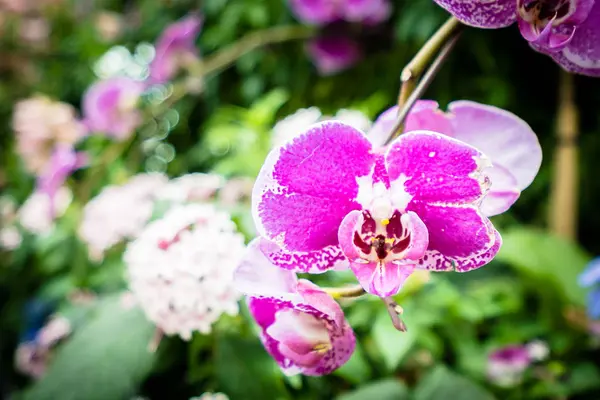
422	86
345	292
413	70
227	56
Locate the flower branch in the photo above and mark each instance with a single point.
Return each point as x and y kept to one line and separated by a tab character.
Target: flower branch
413	70
422	86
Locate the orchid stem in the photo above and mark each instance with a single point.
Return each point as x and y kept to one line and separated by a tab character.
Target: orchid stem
395	312
563	201
422	86
345	292
416	66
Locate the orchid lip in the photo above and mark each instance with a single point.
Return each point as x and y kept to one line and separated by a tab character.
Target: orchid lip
540	13
381	240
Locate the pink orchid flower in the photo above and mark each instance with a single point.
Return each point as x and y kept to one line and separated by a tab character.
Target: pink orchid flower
302	327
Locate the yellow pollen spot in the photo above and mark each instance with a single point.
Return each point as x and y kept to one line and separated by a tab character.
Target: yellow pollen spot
373	239
322	348
389	241
385	222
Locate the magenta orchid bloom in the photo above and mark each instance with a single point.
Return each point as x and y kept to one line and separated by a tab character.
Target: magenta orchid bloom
63	162
302	327
110	107
176	43
329	197
508	141
332	54
321	12
560	28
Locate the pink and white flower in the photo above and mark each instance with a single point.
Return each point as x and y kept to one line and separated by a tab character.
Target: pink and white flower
332	54
302	327
329	198
110	107
180	269
509	142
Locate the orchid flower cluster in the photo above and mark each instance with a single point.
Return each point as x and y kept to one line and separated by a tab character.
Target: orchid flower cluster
334	197
337	51
566	30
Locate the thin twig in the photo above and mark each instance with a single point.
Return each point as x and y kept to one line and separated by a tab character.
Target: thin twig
422	86
395	312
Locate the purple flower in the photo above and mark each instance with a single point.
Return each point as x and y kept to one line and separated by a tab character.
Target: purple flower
173	47
63	162
321	12
302	327
591	278
110	107
567	30
329	196
507	365
332	54
508	141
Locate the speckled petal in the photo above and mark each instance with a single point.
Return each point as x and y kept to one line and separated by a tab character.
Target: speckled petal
482	13
429	167
307	186
312	262
460	238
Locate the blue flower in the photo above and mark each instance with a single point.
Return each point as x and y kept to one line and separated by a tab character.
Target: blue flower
591	278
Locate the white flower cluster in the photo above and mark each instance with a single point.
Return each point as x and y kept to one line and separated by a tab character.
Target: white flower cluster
192	187
292	125
210	396
180	268
119	212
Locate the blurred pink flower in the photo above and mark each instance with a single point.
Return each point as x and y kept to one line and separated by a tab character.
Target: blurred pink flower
40	124
63	162
180	269
34	30
332	54
32	358
174	48
119	212
321	12
109	25
110	107
507	365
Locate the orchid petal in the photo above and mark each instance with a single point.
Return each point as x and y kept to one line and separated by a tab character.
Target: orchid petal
482	13
307	186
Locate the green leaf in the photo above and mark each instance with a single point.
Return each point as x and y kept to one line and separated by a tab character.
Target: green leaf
443	384
106	359
244	370
385	389
547	259
393	344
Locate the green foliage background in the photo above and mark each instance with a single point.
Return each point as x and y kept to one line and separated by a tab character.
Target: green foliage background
454	320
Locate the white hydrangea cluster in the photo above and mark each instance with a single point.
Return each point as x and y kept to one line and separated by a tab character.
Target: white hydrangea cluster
119	212
294	124
192	187
180	269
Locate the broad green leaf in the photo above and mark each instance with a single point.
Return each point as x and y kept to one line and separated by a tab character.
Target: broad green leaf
106	358
385	389
443	384
393	344
244	370
547	259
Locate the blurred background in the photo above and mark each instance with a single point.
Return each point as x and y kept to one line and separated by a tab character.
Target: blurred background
70	327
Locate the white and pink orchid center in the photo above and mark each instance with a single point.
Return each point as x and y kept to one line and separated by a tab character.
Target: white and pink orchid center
539	13
302	337
382	240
